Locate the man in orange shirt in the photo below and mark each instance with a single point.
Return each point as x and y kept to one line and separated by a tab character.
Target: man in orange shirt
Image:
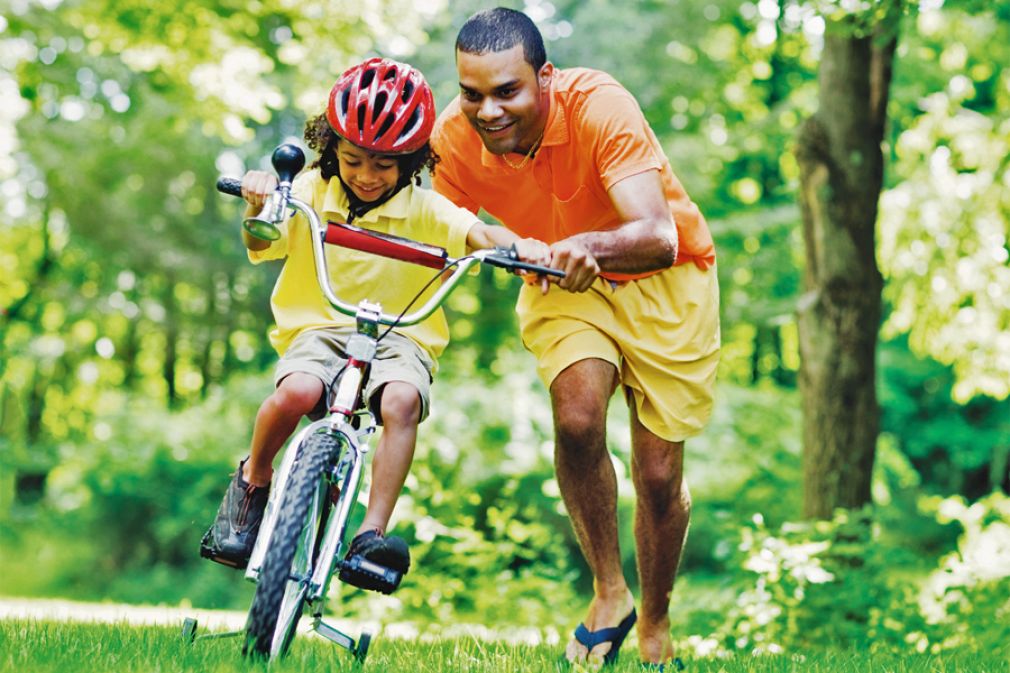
566	156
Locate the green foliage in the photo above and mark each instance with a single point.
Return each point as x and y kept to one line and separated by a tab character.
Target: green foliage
971	586
863	18
124	516
945	228
845	583
957	448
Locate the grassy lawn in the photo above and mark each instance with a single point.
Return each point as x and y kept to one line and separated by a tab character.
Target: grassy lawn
43	647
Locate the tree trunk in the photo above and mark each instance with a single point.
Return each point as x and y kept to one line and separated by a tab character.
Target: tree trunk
210	331
171	341
128	352
841	174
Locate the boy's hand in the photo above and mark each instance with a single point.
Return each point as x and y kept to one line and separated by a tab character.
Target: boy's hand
257	186
533	251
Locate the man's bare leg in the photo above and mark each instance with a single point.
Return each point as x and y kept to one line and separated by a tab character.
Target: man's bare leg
588	483
662	512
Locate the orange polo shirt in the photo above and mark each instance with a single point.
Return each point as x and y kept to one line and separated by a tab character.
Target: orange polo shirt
595	137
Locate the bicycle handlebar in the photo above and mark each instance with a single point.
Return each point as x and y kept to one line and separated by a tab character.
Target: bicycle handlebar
394	248
231	186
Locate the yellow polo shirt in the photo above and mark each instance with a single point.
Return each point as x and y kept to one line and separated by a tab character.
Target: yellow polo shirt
415	213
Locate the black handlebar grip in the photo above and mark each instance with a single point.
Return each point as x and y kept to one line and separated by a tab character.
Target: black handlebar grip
542	270
231	186
505	259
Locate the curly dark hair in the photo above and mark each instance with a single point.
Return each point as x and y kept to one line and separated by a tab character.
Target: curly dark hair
319	136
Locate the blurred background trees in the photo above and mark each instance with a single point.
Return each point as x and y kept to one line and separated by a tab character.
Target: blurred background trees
133	346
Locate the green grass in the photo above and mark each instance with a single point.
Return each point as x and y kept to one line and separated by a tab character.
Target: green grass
43	647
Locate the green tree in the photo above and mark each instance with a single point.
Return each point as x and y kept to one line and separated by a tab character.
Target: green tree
945	228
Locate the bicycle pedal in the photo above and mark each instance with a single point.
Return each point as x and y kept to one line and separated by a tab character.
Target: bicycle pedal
364	574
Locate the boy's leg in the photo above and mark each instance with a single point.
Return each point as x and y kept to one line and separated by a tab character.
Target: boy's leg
400	407
296	396
397	390
231	538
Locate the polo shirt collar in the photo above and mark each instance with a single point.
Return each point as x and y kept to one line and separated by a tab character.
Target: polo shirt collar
555	132
336	204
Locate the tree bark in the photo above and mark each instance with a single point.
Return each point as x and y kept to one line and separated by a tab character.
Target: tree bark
841	174
171	342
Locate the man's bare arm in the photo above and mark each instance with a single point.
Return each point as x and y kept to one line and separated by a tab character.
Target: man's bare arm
646	241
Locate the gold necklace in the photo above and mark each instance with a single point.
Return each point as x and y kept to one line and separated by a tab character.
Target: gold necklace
526	158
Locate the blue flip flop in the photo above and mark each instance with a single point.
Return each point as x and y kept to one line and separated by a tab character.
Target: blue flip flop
676	663
614	635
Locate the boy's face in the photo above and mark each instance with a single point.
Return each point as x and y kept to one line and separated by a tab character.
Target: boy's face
505	101
369	175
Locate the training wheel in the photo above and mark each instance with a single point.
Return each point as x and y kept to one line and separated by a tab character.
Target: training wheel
361	649
189	630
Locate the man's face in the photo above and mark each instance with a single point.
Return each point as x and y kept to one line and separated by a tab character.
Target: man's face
503	98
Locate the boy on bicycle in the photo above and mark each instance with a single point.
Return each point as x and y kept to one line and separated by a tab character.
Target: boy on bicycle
372	142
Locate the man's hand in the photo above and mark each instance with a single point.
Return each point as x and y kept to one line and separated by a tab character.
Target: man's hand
578	263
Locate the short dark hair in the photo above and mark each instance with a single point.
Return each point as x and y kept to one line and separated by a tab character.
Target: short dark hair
499	29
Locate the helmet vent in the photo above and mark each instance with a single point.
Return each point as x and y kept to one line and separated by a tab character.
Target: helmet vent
386	123
380	105
366	77
408	89
411	121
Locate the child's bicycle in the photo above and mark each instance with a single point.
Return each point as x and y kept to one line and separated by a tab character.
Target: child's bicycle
301	541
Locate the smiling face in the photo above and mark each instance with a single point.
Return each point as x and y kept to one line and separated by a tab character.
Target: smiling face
369	175
504	99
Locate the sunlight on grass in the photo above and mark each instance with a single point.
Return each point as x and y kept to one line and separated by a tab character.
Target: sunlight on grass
44	647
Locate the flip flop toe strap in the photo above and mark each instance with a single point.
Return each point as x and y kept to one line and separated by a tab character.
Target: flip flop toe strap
614	635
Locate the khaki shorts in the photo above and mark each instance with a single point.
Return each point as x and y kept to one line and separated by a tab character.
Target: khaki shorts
320	352
660	332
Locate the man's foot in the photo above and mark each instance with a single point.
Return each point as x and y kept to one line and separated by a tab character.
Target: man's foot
597	640
231	538
376	562
613	636
655	646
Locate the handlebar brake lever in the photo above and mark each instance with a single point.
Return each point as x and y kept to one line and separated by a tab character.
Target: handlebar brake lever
508	258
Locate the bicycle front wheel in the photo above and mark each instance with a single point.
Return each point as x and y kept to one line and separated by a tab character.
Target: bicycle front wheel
288	563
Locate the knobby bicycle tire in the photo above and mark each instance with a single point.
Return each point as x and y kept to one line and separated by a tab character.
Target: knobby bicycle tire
281	588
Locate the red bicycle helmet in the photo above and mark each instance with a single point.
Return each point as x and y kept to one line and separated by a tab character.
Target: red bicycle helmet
382	106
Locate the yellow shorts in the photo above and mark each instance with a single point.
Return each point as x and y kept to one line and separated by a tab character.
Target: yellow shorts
660	332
